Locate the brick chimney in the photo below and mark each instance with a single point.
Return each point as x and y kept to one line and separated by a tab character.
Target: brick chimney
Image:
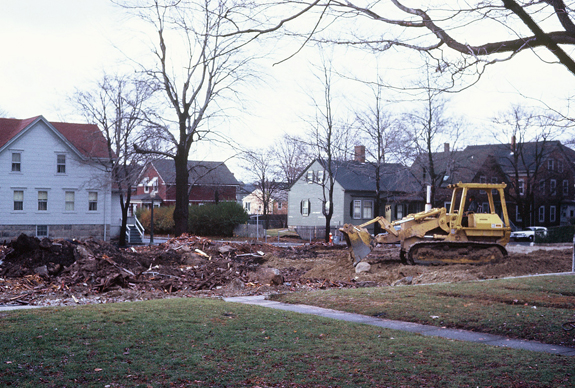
360	154
446	147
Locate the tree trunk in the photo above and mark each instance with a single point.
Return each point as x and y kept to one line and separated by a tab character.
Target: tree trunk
124	206
182	197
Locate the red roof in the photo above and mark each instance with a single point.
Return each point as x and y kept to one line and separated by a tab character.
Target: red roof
87	138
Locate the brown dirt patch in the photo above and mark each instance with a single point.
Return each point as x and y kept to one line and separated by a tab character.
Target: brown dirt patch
75	272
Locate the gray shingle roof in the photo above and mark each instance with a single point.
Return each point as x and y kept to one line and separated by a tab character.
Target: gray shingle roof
200	172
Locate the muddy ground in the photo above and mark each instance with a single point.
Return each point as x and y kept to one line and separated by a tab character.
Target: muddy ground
61	272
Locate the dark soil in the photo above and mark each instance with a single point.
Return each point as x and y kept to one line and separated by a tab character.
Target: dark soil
75	272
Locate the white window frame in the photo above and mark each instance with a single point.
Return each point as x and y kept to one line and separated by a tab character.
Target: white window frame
551	164
305	207
542	185
69	200
560	166
309	176
357	208
42	200
541	214
552	213
61	165
92	201
18	200
521	187
247	206
565	187
41	228
367	209
320	176
16	164
553	186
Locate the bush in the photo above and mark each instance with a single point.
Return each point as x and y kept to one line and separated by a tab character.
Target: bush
216	220
559	234
163	219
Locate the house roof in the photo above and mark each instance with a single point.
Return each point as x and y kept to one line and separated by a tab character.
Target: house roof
87	139
200	172
356	176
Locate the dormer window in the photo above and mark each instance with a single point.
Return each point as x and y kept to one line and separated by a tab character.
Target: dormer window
16	161
551	164
61	164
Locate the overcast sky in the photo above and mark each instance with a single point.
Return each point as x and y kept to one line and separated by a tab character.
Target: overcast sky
49	48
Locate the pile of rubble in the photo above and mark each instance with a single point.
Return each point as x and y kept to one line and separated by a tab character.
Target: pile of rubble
43	271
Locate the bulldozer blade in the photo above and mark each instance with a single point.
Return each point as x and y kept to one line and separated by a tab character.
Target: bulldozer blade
358	241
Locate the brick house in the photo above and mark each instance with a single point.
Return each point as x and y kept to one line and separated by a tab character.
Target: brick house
209	182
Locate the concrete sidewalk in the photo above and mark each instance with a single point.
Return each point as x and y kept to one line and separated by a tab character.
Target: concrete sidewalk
455	334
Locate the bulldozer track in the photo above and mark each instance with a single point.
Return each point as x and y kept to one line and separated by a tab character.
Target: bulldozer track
453	252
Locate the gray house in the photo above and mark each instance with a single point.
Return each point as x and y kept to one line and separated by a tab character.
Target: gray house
355	196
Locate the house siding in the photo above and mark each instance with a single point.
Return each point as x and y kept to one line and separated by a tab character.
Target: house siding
304	190
39	147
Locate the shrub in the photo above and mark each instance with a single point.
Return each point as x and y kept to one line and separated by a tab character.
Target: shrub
163	219
216	220
558	234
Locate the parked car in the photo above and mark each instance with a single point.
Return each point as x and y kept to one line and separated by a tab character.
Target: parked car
529	233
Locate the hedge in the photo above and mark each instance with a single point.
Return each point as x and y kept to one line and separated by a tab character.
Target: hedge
558	234
216	220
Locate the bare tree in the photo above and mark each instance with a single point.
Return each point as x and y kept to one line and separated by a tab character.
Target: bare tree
198	71
329	137
118	106
425	131
437	28
261	166
525	135
380	129
292	156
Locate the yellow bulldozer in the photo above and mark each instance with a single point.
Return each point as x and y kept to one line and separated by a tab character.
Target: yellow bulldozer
437	236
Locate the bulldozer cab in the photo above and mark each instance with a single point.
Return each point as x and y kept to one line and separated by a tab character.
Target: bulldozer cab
478	205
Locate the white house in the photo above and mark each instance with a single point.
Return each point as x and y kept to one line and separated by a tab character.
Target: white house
54	182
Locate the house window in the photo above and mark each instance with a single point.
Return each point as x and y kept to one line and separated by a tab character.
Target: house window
247	206
399	212
541	214
542	185
18	200
356	209
92	201
552	213
69	201
309	177
559	166
61	164
16	162
551	164
305	207
565	187
494	180
368	210
41	230
279	205
553	186
320	176
482	179
518	214
521	187
42	200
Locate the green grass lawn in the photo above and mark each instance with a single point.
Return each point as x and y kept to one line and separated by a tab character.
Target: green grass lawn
211	343
527	308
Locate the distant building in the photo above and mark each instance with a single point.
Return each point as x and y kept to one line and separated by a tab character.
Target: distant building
209	182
